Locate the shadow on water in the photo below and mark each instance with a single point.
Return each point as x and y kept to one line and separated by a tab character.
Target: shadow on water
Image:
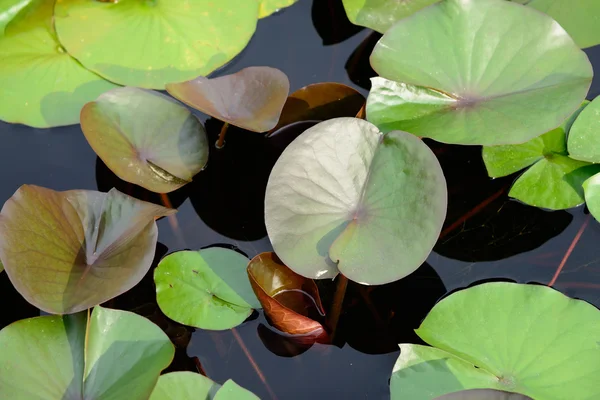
358	66
330	21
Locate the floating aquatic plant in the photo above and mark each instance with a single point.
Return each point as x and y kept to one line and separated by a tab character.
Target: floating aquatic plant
380	15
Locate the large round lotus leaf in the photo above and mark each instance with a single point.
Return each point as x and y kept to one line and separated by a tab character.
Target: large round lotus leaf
485	72
40	84
69	251
345	198
580	18
232	391
268	7
380	15
116	355
526	339
251	98
146	138
592	195
184	386
584	136
154	42
483	394
208	289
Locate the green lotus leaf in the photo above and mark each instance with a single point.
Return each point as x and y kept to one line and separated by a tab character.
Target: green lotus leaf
268	7
146	138
251	98
232	391
487	72
527	339
184	386
345	198
380	15
115	355
579	17
584	136
592	195
483	394
554	181
151	43
40	84
208	289
69	251
1	266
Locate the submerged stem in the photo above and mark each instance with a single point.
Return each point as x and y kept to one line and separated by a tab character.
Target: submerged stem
221	142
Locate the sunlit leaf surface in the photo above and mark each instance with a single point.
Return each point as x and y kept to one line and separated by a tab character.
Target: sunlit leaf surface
380	15
487	72
69	251
184	385
592	195
116	355
146	138
584	136
527	339
268	7
345	198
151	43
40	84
483	394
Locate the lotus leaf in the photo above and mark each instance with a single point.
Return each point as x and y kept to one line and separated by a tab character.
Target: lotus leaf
345	198
527	339
232	391
483	394
487	72
68	251
184	386
251	98
592	195
270	279
584	136
151	43
40	84
320	101
380	15
146	138
115	355
268	7
554	180
208	289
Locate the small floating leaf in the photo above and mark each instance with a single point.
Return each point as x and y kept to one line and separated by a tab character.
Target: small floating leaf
483	394
592	195
207	289
271	279
345	198
380	15
527	339
69	251
146	138
184	385
232	391
251	98
584	136
268	7
487	72
320	101
40	84
151	43
69	357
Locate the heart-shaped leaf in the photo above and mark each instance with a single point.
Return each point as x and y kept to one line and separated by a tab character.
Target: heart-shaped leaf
584	136
208	289
320	101
151	43
483	394
268	7
592	195
184	385
40	84
251	98
527	339
286	297
114	355
345	198
146	138
487	72
380	15
69	251
554	181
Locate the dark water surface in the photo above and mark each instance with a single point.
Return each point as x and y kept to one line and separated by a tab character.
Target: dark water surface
486	235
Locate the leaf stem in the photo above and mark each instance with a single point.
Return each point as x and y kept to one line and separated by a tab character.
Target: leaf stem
221	142
336	307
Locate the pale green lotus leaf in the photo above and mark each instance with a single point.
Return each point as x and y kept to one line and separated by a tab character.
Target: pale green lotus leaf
116	355
207	289
69	251
151	43
184	385
146	138
232	391
380	15
584	136
268	7
345	198
40	84
526	339
487	72
592	195
483	394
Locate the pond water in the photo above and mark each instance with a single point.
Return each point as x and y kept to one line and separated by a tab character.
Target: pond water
486	235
